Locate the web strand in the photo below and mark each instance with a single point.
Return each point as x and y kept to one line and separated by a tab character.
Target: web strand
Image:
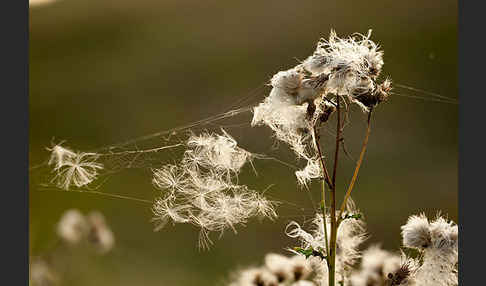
426	98
433	94
117	160
116	196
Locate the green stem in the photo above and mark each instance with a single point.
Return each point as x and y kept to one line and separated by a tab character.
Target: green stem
324	220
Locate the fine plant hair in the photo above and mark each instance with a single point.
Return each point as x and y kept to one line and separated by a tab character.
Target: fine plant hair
202	187
73	169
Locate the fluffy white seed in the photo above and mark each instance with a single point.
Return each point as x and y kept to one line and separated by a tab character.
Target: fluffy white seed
416	232
73	169
203	188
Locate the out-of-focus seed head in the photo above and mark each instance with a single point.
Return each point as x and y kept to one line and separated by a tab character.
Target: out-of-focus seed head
279	265
72	226
404	274
255	277
300	267
42	274
100	235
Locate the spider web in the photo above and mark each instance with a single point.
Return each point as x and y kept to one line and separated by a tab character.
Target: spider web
154	150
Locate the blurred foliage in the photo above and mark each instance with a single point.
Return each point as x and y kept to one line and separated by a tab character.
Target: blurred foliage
102	72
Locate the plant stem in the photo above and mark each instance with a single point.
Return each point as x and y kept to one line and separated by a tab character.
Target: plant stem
327	178
324	220
338	139
323	182
331	258
356	170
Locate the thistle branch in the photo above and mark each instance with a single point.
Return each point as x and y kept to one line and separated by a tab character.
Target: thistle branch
332	253
327	178
356	170
323	182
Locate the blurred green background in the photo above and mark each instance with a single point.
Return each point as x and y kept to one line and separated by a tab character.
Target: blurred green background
102	72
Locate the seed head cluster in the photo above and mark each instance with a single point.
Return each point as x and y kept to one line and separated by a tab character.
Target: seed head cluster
304	96
203	188
41	273
277	270
351	234
436	264
382	267
438	242
75	228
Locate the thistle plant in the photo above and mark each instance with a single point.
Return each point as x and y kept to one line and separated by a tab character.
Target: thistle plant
303	98
203	187
436	264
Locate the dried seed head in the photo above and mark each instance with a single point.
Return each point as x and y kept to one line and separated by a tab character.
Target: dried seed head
301	97
72	226
75	228
438	242
379	261
300	267
367	96
416	232
404	274
255	277
59	155
350	235
327	108
100	235
289	81
279	265
42	274
169	177
73	169
203	188
444	234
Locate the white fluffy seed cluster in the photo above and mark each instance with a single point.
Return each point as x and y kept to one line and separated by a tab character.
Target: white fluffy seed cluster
381	267
277	270
305	95
73	168
351	234
75	228
202	189
438	242
436	265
